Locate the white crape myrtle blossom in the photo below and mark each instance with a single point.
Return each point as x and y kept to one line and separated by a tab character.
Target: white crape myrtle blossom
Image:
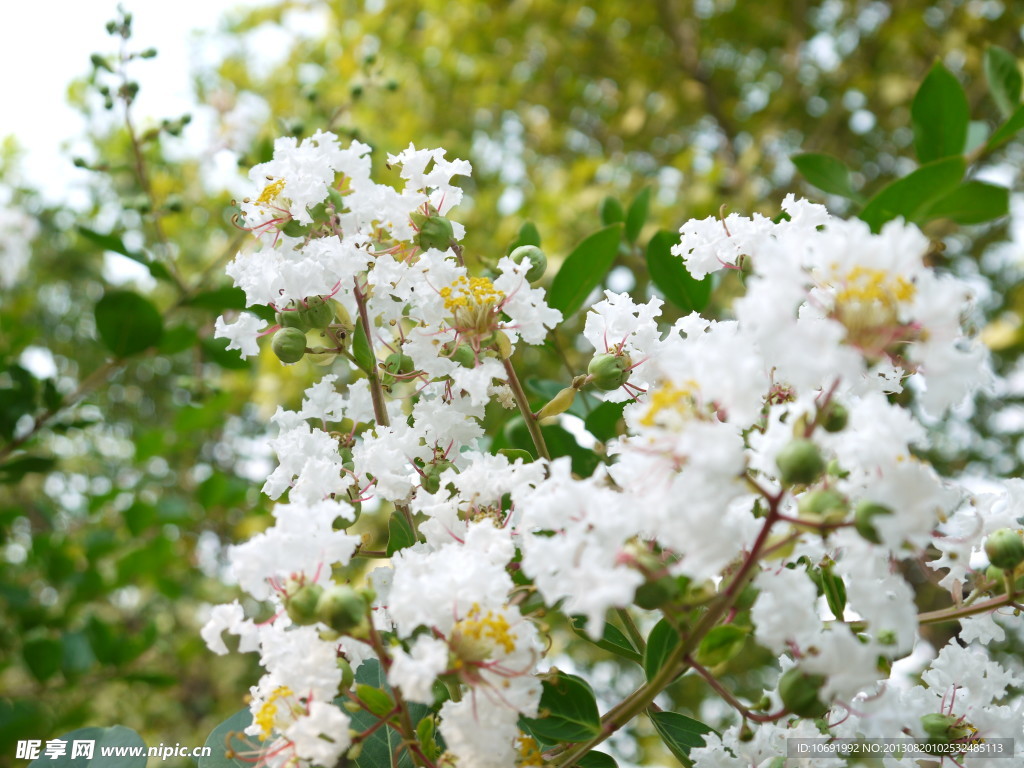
753	468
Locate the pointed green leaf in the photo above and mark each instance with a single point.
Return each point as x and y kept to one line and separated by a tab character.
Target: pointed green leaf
400	535
721	644
636	217
1004	79
1007	130
662	641
219	299
596	759
584	270
127	323
612	640
227	740
911	196
834	589
669	274
612	211
977	134
43	656
568	709
528	235
111	242
826	173
377	701
103	738
361	349
939	114
972	202
680	734
603	421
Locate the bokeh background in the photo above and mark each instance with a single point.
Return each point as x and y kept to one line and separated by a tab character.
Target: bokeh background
121	481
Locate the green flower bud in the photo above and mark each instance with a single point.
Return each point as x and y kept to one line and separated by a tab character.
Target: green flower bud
608	371
342	609
863	515
826	505
560	403
289	345
944	729
1005	549
435	232
347	676
800	463
835	417
432	475
301	605
318	312
799	693
533	254
502	344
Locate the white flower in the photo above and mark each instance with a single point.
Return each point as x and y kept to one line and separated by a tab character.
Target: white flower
241	334
415	672
321	736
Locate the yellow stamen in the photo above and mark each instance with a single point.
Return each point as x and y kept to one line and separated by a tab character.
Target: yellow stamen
268	711
671	399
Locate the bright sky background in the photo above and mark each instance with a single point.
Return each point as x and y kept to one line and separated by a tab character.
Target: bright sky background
48	44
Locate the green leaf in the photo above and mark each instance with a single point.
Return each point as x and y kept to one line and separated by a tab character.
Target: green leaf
400	535
516	453
612	211
939	114
680	734
972	202
221	740
15	469
721	644
127	323
111	242
662	641
569	708
977	133
1004	78
669	274
547	389
361	349
636	217
217	351
112	738
597	760
377	701
219	299
178	339
383	748
560	442
1007	130
834	590
584	270
43	656
528	235
612	640
603	421
826	173
911	196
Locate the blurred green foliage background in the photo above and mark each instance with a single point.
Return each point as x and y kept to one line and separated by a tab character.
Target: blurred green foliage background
123	478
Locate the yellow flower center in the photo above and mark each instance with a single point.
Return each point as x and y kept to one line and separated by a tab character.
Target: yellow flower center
529	752
671	402
475	636
270	193
268	711
470	293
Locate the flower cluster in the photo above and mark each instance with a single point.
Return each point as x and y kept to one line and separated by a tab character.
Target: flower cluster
762	468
